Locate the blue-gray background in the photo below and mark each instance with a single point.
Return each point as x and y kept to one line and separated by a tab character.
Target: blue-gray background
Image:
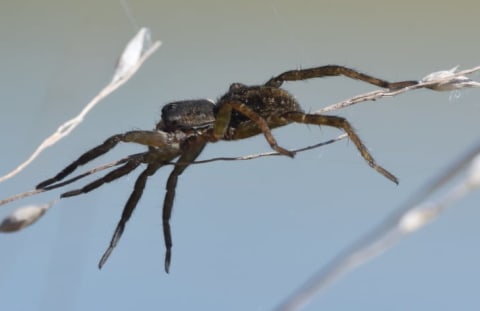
245	233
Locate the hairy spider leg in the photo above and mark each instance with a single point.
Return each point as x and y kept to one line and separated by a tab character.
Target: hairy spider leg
193	148
133	157
164	147
341	123
111	176
335	70
223	119
129	208
150	138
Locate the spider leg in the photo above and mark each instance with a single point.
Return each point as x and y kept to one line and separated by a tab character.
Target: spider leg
129	208
115	174
343	124
150	138
334	70
223	119
193	148
133	157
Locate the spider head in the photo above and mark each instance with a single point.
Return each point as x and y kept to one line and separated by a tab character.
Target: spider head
188	115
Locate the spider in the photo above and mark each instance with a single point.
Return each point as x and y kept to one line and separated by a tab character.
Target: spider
187	126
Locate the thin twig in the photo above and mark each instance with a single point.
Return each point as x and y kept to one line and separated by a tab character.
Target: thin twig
377	94
139	155
269	154
21	196
449	78
406	220
410	217
71	180
65	129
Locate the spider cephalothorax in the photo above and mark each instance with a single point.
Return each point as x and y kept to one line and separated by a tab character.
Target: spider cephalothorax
187	126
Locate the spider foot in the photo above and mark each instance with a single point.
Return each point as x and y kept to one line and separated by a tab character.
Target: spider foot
384	172
284	151
71	193
46	183
168	258
395	86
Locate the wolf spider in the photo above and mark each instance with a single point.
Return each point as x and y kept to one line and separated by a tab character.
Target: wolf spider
187	126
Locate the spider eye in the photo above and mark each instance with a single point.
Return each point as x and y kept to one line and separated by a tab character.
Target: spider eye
236	86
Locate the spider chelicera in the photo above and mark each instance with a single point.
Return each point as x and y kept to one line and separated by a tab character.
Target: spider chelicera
187	126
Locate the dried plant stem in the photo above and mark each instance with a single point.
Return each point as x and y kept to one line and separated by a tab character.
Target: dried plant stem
71	180
433	83
270	154
410	217
374	95
65	129
139	155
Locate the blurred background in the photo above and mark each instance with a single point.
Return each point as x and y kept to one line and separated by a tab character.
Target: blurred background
245	233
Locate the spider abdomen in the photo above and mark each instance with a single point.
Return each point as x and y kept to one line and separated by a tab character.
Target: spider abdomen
270	103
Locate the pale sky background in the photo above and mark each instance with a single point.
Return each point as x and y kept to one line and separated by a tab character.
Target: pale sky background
245	233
